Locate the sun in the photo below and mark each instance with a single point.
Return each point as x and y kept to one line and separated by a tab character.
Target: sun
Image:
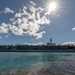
52	6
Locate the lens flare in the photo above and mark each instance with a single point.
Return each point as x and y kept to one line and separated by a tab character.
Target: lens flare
52	6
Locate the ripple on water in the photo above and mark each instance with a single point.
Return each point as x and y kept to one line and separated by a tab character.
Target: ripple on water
36	63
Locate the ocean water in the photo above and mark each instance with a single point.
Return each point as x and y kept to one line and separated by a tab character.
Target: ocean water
17	63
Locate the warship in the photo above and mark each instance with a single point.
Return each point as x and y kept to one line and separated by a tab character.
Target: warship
49	47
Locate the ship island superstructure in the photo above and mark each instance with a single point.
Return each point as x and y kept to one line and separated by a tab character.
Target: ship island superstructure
49	47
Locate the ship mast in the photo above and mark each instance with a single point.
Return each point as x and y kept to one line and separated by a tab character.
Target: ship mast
50	40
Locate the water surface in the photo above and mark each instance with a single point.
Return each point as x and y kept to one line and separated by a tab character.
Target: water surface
14	63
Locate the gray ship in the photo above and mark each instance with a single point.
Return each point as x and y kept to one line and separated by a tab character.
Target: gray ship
49	47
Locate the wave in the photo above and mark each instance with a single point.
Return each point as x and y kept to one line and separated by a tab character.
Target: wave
52	68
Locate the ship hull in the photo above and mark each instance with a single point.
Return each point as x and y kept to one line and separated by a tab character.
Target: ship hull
38	48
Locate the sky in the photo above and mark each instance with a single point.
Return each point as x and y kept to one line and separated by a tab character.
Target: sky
33	21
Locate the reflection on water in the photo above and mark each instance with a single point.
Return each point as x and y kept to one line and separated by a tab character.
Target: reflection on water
37	63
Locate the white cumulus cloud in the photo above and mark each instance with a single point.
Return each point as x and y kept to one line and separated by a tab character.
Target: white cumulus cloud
3	28
31	2
15	30
39	43
73	29
69	43
27	23
7	10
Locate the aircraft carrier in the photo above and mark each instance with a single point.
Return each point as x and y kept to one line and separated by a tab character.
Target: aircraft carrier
49	47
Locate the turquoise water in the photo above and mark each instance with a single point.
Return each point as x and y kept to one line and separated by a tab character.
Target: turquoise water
13	60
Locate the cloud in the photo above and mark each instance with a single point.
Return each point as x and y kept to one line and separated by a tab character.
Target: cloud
69	43
39	43
73	29
15	30
4	28
31	2
18	15
28	21
39	35
7	10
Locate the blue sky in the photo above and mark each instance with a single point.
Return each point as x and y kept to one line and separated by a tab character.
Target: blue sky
29	21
